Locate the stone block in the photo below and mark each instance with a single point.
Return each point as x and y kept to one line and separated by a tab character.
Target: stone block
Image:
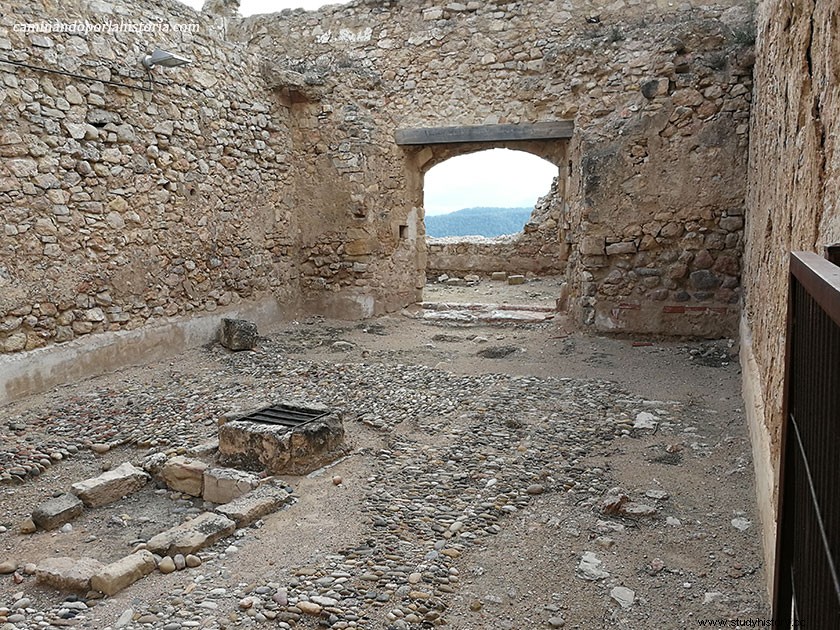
238	334
728	265
516	279
68	574
184	474
592	245
57	511
731	224
111	485
202	531
124	572
500	276
222	485
281	450
704	280
621	248
358	247
655	87
254	505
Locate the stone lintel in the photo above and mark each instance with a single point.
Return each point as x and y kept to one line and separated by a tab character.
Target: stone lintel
555	130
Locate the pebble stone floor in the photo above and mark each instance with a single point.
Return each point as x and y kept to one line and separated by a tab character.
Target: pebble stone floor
481	447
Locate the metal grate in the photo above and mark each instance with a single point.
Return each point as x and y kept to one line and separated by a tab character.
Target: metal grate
285	415
808	545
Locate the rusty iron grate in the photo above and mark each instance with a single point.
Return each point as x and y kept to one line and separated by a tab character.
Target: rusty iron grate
285	415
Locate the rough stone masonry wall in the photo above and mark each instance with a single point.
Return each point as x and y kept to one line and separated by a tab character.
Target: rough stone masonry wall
655	185
120	207
661	186
238	179
794	189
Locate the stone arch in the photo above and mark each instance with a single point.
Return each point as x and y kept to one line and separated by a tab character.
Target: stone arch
554	151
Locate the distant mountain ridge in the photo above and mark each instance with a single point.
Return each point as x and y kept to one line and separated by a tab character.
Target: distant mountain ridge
488	222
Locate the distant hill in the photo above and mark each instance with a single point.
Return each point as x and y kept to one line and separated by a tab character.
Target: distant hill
478	222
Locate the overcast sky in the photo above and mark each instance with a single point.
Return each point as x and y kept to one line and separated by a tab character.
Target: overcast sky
497	179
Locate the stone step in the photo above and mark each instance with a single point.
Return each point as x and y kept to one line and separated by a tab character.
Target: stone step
475	313
478	306
198	533
111	485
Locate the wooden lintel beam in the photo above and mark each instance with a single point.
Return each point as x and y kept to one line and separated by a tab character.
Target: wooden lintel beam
556	130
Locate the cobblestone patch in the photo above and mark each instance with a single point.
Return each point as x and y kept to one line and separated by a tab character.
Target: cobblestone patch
458	462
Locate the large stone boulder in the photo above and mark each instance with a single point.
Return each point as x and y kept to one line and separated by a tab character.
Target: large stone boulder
238	334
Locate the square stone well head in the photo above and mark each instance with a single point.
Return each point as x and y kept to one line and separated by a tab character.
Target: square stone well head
284	438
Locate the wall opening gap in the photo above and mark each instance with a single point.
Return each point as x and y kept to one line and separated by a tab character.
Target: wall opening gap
483	213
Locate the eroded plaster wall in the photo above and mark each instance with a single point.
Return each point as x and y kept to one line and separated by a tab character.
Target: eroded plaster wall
121	208
794	188
659	95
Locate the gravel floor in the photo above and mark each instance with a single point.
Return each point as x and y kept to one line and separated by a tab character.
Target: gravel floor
477	494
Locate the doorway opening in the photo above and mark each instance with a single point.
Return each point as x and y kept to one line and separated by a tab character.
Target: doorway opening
495	224
489	193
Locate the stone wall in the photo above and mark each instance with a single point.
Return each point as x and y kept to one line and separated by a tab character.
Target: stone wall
123	207
661	182
654	176
477	255
268	168
794	188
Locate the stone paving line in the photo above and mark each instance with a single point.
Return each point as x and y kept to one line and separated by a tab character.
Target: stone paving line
484	446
